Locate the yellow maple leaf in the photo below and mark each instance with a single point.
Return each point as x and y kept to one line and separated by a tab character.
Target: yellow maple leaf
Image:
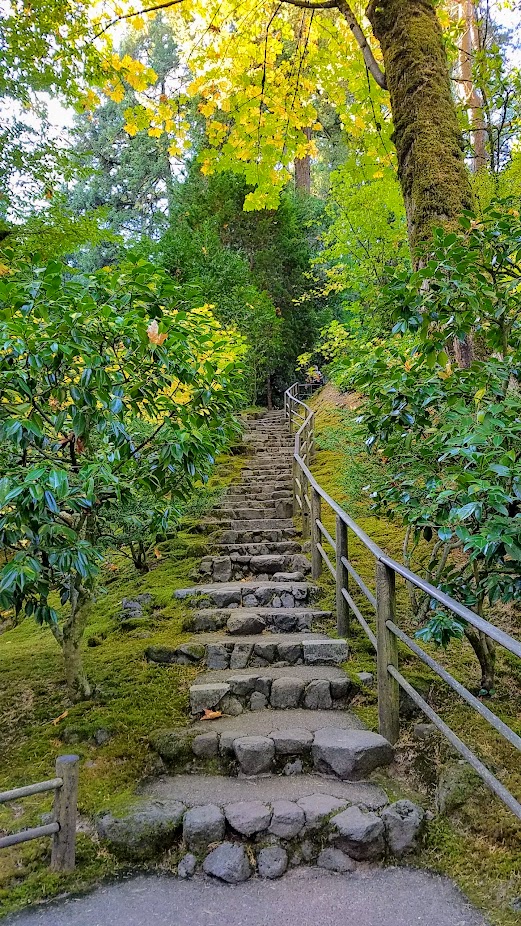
131	128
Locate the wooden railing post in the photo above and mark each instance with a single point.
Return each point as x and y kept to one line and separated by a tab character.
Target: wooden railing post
305	509
316	559
290	414
342	578
387	654
63	855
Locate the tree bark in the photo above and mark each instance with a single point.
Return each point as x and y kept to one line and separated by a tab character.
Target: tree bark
485	651
303	169
434	180
69	637
472	99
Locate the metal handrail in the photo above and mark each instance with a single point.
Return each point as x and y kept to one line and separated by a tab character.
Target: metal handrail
308	497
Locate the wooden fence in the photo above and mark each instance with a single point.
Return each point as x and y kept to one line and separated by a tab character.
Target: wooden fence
63	827
309	497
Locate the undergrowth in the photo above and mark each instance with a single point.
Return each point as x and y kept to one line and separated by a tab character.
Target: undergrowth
479	845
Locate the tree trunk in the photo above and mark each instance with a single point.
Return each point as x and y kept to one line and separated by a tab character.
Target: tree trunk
435	183
269	393
303	169
485	650
69	637
471	96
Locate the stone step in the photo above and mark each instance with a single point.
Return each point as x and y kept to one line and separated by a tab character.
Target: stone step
275	620
279	649
266	525
249	594
261	548
256	497
310	687
222	568
260	535
278	745
279	508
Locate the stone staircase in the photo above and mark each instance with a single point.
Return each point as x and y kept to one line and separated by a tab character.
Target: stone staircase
280	774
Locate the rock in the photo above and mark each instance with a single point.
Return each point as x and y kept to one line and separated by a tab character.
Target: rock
456	784
243	685
206	696
246	624
287	819
293	768
202	826
423	731
350	754
229	863
308	850
292	742
102	736
366	678
241	655
143	832
190	653
272	862
172	745
286	692
206	745
299	563
258	701
255	754
265	650
289	652
287	600
267	564
335	860
248	817
317	696
359	834
187	654
403	822
341	688
187	866
324	652
222	568
318	808
217	656
231	705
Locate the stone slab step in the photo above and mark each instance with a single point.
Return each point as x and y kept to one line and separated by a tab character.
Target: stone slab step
276	620
266	524
350	753
249	594
274	649
224	568
267	535
310	687
261	548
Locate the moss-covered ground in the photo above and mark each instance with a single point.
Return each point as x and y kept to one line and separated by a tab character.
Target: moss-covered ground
479	844
134	698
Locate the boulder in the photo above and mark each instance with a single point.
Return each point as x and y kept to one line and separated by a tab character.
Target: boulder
292	742
287	819
272	862
350	754
335	860
290	653
217	656
222	568
245	624
458	781
172	745
241	655
317	696
318	808
206	745
286	692
324	652
248	817
202	826
255	754
206	696
187	866
144	831
229	863
258	701
403	822
359	834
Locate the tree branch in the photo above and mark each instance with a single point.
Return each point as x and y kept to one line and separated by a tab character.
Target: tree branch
149	9
359	36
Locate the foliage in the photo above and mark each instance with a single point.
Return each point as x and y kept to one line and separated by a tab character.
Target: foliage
452	435
109	392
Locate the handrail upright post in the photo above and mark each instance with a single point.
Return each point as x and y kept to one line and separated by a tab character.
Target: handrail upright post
305	509
290	416
316	559
63	853
342	578
387	654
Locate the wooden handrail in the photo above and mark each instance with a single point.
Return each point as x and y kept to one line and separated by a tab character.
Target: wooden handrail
309	495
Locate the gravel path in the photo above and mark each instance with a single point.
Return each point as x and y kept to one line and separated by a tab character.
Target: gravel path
304	897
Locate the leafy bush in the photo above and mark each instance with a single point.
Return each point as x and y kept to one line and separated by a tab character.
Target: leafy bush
112	399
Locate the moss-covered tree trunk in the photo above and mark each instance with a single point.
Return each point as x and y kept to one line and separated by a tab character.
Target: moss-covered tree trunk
434	179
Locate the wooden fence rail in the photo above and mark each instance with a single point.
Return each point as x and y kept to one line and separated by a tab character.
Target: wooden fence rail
63	827
310	500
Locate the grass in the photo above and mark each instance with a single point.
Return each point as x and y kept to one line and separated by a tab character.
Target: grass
39	723
479	845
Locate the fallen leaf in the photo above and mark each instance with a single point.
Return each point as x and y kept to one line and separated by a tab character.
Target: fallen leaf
56	720
211	715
